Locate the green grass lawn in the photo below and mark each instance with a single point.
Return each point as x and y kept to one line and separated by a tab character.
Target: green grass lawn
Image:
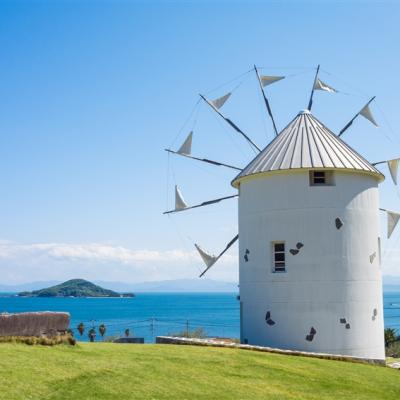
120	372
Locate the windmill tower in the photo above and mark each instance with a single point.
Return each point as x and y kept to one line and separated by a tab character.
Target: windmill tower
309	246
310	276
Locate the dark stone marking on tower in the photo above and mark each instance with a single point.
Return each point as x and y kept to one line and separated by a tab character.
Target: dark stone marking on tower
344	321
268	319
246	255
338	223
374	314
299	245
293	251
372	257
311	335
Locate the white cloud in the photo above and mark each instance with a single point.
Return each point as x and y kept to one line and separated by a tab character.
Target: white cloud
46	261
20	263
94	252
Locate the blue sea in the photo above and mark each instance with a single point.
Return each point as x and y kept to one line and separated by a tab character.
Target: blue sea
150	314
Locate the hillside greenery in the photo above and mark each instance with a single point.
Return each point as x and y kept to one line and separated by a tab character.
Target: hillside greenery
73	288
119	371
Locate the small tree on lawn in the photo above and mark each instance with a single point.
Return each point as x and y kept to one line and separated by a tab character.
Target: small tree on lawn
92	334
390	336
81	328
102	330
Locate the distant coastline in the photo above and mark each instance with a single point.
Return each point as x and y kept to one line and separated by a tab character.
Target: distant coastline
166	286
74	288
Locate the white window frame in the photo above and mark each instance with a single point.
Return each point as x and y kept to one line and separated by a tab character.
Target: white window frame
277	265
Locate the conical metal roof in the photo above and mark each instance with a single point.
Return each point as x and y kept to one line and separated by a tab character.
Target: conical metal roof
307	144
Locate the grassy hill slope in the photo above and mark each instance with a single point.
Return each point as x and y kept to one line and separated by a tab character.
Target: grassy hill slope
112	371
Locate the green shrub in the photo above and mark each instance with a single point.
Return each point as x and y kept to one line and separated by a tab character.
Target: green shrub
198	333
43	341
390	336
393	350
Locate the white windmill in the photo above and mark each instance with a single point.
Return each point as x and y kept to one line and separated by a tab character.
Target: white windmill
309	242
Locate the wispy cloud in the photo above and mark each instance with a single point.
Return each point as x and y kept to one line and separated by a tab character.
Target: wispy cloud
89	252
43	261
94	252
20	263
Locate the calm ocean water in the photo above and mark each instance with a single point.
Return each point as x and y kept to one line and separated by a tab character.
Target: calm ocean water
150	314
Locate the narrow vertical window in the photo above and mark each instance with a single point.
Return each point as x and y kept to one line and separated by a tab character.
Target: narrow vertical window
278	249
379	251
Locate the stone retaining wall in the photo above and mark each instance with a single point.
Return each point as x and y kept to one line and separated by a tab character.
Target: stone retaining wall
222	343
129	340
34	324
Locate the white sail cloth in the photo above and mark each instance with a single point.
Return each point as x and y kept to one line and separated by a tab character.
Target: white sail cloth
366	113
180	203
319	85
218	103
392	220
186	147
208	259
393	168
268	80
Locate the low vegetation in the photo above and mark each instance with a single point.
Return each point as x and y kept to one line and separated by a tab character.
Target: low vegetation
392	343
74	288
198	333
105	371
43	341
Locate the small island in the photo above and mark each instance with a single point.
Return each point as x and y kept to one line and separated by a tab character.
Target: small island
75	288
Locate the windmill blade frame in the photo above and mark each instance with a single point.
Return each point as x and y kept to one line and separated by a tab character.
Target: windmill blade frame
204	203
221	254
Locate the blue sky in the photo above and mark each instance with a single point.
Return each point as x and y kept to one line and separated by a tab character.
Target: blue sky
92	92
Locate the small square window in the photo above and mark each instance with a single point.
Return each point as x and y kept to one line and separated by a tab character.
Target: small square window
278	249
321	178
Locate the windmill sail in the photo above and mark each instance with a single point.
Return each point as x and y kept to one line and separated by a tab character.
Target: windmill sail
392	220
212	259
310	102
218	103
393	168
319	85
264	81
180	203
208	259
269	80
186	147
206	160
366	113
